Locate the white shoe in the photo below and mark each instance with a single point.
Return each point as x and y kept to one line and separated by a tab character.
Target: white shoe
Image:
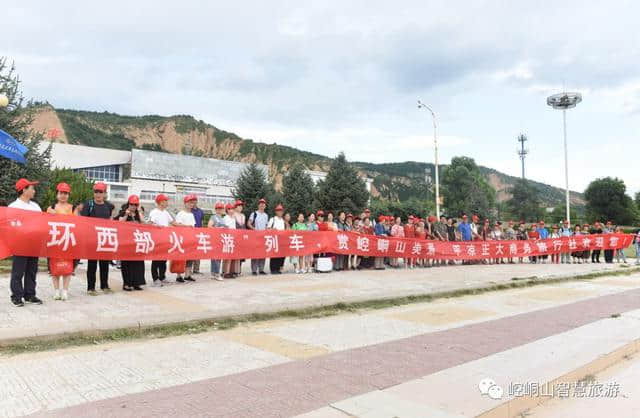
65	295
219	278
57	296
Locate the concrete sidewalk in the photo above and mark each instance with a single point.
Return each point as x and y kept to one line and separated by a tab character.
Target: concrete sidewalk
250	294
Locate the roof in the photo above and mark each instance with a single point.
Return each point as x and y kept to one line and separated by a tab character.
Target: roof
186	169
80	156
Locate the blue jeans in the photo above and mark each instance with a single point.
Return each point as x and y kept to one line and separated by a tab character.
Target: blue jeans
638	253
215	266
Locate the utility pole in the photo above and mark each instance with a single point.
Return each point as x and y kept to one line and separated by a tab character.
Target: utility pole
522	152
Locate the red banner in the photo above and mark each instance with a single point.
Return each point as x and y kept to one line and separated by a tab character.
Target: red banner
72	237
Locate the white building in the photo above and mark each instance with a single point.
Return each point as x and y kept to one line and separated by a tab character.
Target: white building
149	173
316	176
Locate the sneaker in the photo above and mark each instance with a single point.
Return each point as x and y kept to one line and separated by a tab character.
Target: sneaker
34	300
254	273
17	302
179	279
92	293
190	279
219	278
107	290
57	296
65	295
137	288
262	272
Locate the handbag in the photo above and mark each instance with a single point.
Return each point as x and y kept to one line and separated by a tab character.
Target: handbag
59	267
178	266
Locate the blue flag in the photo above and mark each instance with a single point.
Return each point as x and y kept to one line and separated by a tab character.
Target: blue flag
11	148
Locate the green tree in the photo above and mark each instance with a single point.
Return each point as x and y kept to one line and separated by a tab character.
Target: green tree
465	190
298	191
342	189
252	186
525	202
412	206
559	214
81	188
607	200
638	200
15	120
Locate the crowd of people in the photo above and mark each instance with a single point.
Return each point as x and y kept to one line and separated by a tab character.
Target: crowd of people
232	216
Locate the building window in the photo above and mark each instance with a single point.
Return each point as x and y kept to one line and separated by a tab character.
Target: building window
109	173
118	192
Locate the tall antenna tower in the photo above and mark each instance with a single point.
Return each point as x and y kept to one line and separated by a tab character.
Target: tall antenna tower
522	152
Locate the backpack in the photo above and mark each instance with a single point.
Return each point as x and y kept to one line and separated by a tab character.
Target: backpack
91	205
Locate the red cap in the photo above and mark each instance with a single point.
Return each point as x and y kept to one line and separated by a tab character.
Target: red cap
230	206
239	203
382	218
279	207
24	183
63	187
367	210
431	218
465	217
320	213
261	201
161	198
219	205
99	187
190	198
474	217
349	215
134	199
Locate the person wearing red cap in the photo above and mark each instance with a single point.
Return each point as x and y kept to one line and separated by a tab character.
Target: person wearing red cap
510	235
160	216
397	231
533	235
217	221
544	234
185	218
98	207
555	257
277	223
132	270
410	232
24	269
565	231
380	229
322	225
258	222
61	207
198	215
230	223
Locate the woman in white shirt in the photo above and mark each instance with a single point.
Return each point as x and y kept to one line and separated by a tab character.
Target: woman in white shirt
185	218
160	216
230	222
277	223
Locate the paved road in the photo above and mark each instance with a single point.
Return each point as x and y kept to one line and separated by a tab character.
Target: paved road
401	357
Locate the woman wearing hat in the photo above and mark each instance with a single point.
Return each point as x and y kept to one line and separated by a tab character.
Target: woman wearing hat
217	221
186	218
132	270
277	223
230	222
61	207
160	216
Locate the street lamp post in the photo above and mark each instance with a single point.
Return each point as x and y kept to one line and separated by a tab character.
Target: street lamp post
435	145
565	101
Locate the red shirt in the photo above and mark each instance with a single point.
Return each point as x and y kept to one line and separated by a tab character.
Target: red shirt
322	226
421	235
409	231
534	234
367	230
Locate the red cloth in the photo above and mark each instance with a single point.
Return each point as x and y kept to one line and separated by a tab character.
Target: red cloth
409	231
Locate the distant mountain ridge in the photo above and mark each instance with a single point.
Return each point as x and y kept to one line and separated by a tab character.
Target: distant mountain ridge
183	134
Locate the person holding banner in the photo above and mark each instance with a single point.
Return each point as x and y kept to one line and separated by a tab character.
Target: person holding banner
186	218
276	223
24	267
98	207
160	216
61	269
217	221
132	270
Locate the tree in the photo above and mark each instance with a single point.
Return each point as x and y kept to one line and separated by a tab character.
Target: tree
638	200
559	214
298	191
81	188
525	202
607	201
253	186
342	189
15	120
412	206
465	190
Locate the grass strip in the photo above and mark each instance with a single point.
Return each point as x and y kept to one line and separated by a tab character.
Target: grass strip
59	341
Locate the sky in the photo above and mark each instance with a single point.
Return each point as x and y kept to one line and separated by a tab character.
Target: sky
345	76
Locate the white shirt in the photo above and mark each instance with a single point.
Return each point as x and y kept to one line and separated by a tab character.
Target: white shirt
160	217
21	204
230	221
185	218
276	223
